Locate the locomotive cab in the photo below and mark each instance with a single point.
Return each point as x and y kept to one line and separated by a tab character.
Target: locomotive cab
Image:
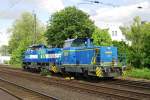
79	42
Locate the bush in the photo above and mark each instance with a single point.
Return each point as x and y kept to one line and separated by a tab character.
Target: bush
6	62
45	72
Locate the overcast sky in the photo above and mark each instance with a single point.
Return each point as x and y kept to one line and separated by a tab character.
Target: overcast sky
123	12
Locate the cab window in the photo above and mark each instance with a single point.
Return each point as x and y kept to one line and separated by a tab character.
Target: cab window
79	43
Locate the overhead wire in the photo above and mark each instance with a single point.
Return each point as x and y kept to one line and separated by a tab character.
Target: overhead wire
93	2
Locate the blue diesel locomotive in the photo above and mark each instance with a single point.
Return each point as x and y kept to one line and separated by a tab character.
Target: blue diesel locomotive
77	56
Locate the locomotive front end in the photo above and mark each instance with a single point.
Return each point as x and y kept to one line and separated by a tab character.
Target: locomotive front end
107	62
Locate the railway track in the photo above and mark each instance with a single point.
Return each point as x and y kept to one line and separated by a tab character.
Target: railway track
128	83
23	93
136	84
123	94
108	91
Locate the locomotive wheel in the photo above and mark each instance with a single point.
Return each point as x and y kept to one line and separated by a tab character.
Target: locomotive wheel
85	74
24	68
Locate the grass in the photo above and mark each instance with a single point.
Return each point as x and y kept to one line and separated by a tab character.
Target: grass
16	65
45	72
143	73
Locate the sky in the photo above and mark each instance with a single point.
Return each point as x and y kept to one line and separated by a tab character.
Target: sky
111	11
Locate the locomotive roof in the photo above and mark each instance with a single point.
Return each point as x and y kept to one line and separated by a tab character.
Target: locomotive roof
77	39
37	46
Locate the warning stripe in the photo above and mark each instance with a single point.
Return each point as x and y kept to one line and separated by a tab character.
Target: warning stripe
98	72
54	69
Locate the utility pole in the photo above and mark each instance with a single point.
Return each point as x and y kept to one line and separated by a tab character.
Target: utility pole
34	28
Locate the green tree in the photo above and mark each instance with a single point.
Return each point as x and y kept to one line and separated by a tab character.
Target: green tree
137	33
68	23
124	51
146	44
23	36
101	37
